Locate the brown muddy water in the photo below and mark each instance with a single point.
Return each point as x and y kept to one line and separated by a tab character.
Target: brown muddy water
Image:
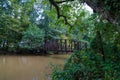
29	67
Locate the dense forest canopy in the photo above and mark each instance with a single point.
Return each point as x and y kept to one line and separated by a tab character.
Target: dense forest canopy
100	29
59	19
26	24
104	8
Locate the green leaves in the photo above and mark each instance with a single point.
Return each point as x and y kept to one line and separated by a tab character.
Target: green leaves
88	66
34	36
14	19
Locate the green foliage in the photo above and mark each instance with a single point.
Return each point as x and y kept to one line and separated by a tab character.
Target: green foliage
34	36
10	32
112	4
76	15
14	20
88	66
56	28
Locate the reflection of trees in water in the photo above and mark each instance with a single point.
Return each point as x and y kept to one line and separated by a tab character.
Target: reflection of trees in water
35	78
28	67
23	60
4	60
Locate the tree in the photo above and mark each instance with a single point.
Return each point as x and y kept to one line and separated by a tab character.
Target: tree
101	30
47	21
104	8
14	20
33	37
99	24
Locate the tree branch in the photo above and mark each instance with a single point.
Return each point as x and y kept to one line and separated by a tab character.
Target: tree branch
52	2
99	7
66	21
59	2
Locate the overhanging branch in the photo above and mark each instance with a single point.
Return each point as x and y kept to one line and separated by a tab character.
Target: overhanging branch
55	4
66	21
59	2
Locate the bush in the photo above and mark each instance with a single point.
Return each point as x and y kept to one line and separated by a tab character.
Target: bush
83	65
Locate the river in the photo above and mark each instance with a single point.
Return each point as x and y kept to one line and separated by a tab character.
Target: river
29	67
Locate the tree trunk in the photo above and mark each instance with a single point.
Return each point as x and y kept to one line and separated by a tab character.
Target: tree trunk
99	6
100	42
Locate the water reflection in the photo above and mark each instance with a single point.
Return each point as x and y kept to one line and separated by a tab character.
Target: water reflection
4	60
28	67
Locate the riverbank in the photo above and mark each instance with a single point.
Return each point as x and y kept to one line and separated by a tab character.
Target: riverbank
24	52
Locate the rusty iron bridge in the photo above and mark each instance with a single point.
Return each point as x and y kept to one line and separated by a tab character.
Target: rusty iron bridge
63	45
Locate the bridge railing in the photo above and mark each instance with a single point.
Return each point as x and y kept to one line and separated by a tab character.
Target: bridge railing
63	45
